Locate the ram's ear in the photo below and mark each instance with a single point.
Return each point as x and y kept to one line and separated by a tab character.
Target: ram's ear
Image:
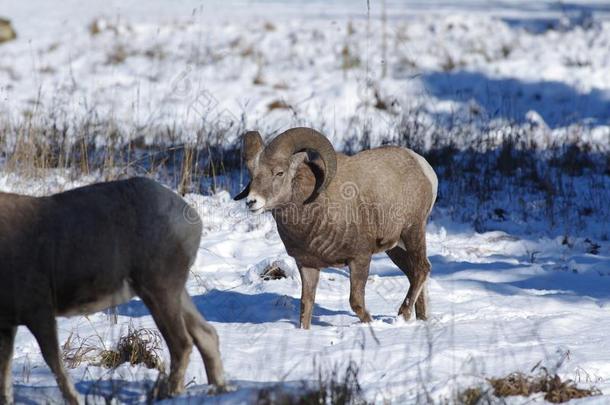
253	146
244	193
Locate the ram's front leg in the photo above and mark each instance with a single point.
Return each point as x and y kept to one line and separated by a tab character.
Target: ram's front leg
309	283
359	273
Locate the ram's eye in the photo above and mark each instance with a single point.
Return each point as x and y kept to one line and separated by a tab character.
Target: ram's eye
279	174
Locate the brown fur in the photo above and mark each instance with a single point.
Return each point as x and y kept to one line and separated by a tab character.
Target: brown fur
94	247
376	200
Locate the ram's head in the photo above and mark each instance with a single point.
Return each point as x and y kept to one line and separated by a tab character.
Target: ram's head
273	167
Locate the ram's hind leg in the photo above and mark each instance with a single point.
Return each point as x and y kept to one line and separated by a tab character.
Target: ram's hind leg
7	338
206	340
413	261
165	305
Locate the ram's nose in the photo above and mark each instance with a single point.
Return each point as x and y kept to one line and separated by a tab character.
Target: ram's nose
255	203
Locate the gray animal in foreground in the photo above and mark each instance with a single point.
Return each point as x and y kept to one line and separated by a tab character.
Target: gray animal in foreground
339	210
94	247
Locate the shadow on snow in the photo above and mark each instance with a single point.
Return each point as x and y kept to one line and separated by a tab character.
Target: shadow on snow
234	307
550	281
508	98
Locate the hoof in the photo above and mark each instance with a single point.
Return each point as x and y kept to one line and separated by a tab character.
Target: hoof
366	318
421	317
163	389
405	312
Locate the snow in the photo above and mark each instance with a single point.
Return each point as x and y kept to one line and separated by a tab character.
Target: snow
501	300
191	65
499	303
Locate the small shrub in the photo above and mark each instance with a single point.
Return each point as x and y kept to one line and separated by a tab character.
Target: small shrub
278	105
273	272
77	351
470	396
7	32
555	390
269	26
139	346
348	60
117	55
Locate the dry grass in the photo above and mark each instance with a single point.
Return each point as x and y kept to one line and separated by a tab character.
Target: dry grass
138	346
470	396
348	59
35	147
278	105
555	390
269	26
273	272
77	351
7	32
117	55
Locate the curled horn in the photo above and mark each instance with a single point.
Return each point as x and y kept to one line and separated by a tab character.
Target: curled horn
297	140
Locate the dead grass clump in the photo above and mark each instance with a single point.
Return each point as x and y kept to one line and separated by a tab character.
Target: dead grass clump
273	272
77	351
556	390
278	105
247	51
139	346
96	26
348	60
7	33
470	396
100	25
258	79
117	55
269	26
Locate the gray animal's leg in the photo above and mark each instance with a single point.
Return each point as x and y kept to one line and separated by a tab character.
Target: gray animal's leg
414	262
7	338
359	273
44	329
206	340
309	283
165	306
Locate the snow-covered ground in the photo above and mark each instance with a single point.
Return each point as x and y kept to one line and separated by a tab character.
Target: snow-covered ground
501	301
337	67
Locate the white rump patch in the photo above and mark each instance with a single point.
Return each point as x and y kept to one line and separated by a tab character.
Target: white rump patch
429	173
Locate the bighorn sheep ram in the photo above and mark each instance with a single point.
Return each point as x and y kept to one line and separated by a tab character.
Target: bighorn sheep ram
339	210
94	247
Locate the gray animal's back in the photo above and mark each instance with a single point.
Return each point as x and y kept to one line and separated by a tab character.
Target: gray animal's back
79	247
